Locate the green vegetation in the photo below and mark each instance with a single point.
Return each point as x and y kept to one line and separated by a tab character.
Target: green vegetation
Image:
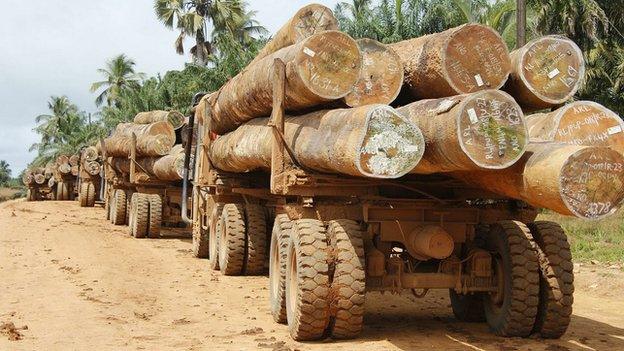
602	240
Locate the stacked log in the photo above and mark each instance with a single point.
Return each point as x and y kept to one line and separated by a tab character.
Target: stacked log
74	160
460	60
578	123
483	130
155	139
381	78
370	141
28	178
62	164
582	181
322	68
175	118
546	72
91	153
309	20
167	168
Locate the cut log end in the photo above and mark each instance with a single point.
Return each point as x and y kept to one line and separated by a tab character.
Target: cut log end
312	19
91	153
592	182
547	71
579	123
93	167
392	145
329	64
39	178
475	58
492	130
381	77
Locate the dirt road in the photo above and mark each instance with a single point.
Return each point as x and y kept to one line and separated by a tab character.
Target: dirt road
80	283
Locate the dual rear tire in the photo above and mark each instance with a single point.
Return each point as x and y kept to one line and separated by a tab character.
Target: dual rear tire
86	195
145	215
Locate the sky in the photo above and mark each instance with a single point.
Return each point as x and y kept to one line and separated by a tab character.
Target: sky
54	47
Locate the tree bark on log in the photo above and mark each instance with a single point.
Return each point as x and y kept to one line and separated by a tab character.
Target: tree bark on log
175	118
546	72
483	130
582	181
460	60
369	141
320	69
155	139
309	20
62	159
381	78
578	123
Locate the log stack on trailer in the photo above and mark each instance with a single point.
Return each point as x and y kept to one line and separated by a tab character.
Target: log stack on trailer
440	192
36	180
143	172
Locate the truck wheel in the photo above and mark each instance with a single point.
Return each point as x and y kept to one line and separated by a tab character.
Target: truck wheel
232	239
140	215
467	308
215	229
280	237
82	195
511	311
155	215
90	194
307	280
348	285
29	195
118	210
256	239
59	191
556	279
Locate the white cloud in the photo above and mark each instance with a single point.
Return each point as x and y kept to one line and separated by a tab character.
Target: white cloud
53	47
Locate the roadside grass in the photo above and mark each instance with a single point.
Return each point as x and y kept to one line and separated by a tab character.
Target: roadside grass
601	240
10	193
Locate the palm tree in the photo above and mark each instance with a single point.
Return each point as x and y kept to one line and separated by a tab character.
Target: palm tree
49	125
191	18
119	75
358	19
5	172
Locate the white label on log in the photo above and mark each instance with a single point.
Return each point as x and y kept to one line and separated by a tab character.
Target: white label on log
553	73
472	114
309	51
479	80
614	130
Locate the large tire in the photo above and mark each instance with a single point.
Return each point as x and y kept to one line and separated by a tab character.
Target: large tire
512	311
82	195
307	280
60	192
255	239
348	284
556	280
29	195
280	238
90	194
140	215
118	209
155	216
467	308
215	229
232	240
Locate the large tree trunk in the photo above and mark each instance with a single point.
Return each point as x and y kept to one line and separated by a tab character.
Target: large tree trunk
166	168
175	118
546	72
582	181
155	139
381	78
90	153
460	60
578	123
322	68
483	130
309	20
369	141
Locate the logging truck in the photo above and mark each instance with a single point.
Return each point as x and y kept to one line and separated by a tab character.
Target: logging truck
441	193
142	171
90	184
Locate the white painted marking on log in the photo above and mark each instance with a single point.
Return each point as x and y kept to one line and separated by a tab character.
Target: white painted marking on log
445	106
479	80
308	51
472	114
614	130
552	74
